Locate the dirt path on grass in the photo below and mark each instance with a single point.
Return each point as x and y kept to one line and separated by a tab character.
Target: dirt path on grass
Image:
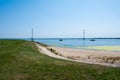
45	51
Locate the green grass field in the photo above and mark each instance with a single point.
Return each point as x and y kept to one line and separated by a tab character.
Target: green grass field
21	60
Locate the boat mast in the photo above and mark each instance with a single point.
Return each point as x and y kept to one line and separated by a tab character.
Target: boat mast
83	37
83	34
32	39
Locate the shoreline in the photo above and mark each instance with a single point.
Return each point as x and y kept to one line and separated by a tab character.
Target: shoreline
85	56
94	56
95	48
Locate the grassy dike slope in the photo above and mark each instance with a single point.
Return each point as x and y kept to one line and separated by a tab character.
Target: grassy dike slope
21	60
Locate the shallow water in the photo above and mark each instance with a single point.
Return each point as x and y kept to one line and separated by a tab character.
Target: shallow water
78	42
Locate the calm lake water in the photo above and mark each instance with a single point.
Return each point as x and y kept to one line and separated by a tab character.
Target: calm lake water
78	42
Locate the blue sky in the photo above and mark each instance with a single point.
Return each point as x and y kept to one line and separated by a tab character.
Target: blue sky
59	18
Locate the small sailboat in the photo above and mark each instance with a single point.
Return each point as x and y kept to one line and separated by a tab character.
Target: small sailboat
92	40
60	39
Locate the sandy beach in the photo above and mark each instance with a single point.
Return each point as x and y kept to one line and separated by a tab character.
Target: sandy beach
89	55
105	58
